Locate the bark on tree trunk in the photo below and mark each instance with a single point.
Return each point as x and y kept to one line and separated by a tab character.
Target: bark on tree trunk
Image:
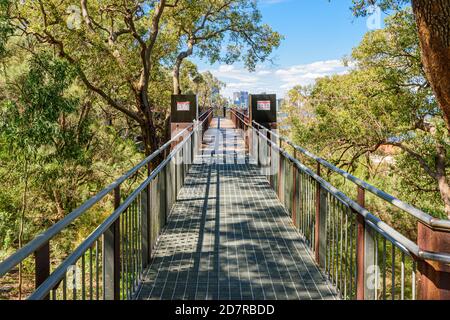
176	77
177	67
441	177
433	24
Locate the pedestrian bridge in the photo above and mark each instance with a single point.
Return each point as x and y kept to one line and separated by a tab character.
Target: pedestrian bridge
231	210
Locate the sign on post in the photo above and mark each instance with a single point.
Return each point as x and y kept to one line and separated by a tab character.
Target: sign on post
263	109
263	105
183	106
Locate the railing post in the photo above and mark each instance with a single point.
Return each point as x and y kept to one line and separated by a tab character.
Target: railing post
367	266
280	169
111	256
360	246
42	265
320	230
433	277
294	194
145	223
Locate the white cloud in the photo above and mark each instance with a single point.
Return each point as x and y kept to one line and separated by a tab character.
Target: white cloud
273	80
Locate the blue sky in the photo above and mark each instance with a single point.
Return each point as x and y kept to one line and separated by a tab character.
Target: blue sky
318	34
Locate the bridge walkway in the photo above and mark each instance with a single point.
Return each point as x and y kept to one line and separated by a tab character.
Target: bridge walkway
229	237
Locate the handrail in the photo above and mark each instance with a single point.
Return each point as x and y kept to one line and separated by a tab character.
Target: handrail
46	236
419	214
43	290
397	238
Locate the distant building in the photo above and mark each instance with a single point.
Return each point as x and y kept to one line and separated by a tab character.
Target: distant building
280	103
240	99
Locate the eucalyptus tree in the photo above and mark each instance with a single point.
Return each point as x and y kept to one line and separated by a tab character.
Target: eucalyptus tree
221	30
29	122
205	85
116	48
433	27
385	102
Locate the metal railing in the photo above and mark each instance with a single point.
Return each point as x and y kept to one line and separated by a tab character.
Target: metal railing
363	257
109	263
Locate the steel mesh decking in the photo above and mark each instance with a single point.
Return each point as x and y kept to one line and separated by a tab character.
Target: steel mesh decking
229	237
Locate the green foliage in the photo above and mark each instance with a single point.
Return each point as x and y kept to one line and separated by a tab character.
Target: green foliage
227	31
363	7
50	124
6	28
32	120
380	120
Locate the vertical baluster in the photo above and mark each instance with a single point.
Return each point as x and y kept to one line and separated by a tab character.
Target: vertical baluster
136	249
74	281
310	200
126	255
336	217
133	242
360	249
402	281
64	289
130	251
139	231
341	245
344	212
328	260
97	280
384	268
376	266
413	281
351	254
122	253
393	272
91	275
83	277
333	239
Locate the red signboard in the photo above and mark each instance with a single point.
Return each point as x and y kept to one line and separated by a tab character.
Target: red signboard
263	105
183	106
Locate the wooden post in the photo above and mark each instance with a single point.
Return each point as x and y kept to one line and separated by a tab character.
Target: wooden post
433	277
42	265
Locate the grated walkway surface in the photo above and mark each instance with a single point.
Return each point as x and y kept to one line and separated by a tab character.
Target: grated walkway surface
229	237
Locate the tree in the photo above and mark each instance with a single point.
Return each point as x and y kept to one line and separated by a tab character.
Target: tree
56	151
385	102
28	123
208	25
116	49
433	27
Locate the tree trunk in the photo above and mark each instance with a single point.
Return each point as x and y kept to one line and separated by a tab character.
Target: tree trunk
441	177
433	24
176	77
177	67
444	189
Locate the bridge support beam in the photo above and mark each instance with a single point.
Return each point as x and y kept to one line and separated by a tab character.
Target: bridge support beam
433	277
